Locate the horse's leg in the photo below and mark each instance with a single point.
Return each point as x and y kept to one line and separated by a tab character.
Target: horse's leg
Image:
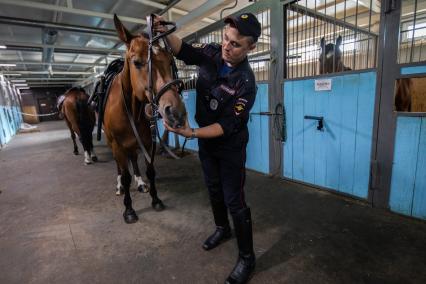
72	137
119	186
142	186
120	156
157	204
92	150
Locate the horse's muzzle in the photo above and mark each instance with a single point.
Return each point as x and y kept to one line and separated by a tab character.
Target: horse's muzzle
175	118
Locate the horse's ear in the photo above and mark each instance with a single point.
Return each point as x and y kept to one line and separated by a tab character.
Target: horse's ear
322	43
339	41
123	33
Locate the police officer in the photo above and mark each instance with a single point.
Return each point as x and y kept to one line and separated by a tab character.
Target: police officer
226	92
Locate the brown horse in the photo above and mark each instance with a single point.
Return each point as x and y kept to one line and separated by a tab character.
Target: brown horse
330	59
403	92
80	120
129	89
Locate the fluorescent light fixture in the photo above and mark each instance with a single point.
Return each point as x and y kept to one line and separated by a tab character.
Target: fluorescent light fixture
7	65
23	88
2	46
18	81
12	74
21	85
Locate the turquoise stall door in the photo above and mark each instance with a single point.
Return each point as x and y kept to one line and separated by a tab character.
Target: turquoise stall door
337	156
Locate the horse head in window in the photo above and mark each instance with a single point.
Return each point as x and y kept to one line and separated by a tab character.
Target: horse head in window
331	57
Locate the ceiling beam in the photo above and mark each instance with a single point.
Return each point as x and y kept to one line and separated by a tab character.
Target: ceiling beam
49	79
190	22
80	12
53	63
173	10
61	48
108	33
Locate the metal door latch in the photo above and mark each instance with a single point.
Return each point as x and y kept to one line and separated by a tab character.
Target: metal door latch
320	120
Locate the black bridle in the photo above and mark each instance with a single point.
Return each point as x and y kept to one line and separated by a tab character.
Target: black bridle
155	97
152	40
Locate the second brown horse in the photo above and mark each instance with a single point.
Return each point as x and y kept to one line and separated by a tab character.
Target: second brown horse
130	88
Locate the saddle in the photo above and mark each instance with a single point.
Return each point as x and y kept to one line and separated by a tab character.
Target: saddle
100	93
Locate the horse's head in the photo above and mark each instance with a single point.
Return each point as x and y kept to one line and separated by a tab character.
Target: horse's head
330	58
135	74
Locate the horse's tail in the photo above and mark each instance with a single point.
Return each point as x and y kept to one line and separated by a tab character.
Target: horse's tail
85	119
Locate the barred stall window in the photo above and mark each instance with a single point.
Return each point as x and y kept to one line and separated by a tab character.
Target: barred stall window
412	35
259	58
331	36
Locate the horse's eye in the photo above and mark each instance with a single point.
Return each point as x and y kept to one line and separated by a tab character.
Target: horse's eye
138	64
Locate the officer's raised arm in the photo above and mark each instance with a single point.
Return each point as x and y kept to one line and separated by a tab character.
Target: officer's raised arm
174	42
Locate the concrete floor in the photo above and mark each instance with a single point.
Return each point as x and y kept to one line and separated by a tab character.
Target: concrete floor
60	222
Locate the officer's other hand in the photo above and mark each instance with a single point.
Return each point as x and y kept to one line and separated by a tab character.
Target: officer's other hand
185	131
158	27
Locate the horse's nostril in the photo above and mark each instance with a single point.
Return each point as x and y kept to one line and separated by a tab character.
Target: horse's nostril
167	110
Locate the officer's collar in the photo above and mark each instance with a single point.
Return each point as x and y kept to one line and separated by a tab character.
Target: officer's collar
242	65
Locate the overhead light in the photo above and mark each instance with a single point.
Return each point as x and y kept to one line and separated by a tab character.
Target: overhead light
18	81
7	65
23	88
21	85
12	74
2	46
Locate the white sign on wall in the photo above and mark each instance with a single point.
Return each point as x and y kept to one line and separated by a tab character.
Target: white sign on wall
323	85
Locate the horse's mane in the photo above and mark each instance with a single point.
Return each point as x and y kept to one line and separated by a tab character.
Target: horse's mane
77	89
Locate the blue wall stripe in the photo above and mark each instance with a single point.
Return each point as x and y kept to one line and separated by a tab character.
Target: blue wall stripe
288	145
310	130
333	130
339	156
321	103
348	132
364	133
419	198
404	164
298	131
258	146
413	70
10	122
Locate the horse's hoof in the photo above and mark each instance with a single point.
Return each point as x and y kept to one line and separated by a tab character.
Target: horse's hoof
143	188
75	153
130	216
119	191
94	159
87	162
158	205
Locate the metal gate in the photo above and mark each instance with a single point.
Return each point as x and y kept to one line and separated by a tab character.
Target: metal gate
330	111
400	153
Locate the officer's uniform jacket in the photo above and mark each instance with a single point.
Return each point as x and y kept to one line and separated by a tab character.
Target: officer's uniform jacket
225	100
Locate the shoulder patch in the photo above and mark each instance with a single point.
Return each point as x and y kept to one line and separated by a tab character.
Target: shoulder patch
198	45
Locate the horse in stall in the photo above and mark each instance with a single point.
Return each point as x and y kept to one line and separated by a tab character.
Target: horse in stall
403	92
145	82
80	120
330	59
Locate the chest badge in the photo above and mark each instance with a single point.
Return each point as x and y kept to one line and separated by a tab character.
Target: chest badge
214	104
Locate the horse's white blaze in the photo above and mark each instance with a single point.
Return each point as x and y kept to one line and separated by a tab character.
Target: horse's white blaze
119	185
87	159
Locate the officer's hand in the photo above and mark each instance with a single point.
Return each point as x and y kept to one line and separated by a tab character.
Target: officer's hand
158	27
185	131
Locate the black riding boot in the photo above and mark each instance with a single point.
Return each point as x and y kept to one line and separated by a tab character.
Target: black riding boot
246	258
223	231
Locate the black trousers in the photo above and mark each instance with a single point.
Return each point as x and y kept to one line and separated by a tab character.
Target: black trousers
224	175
